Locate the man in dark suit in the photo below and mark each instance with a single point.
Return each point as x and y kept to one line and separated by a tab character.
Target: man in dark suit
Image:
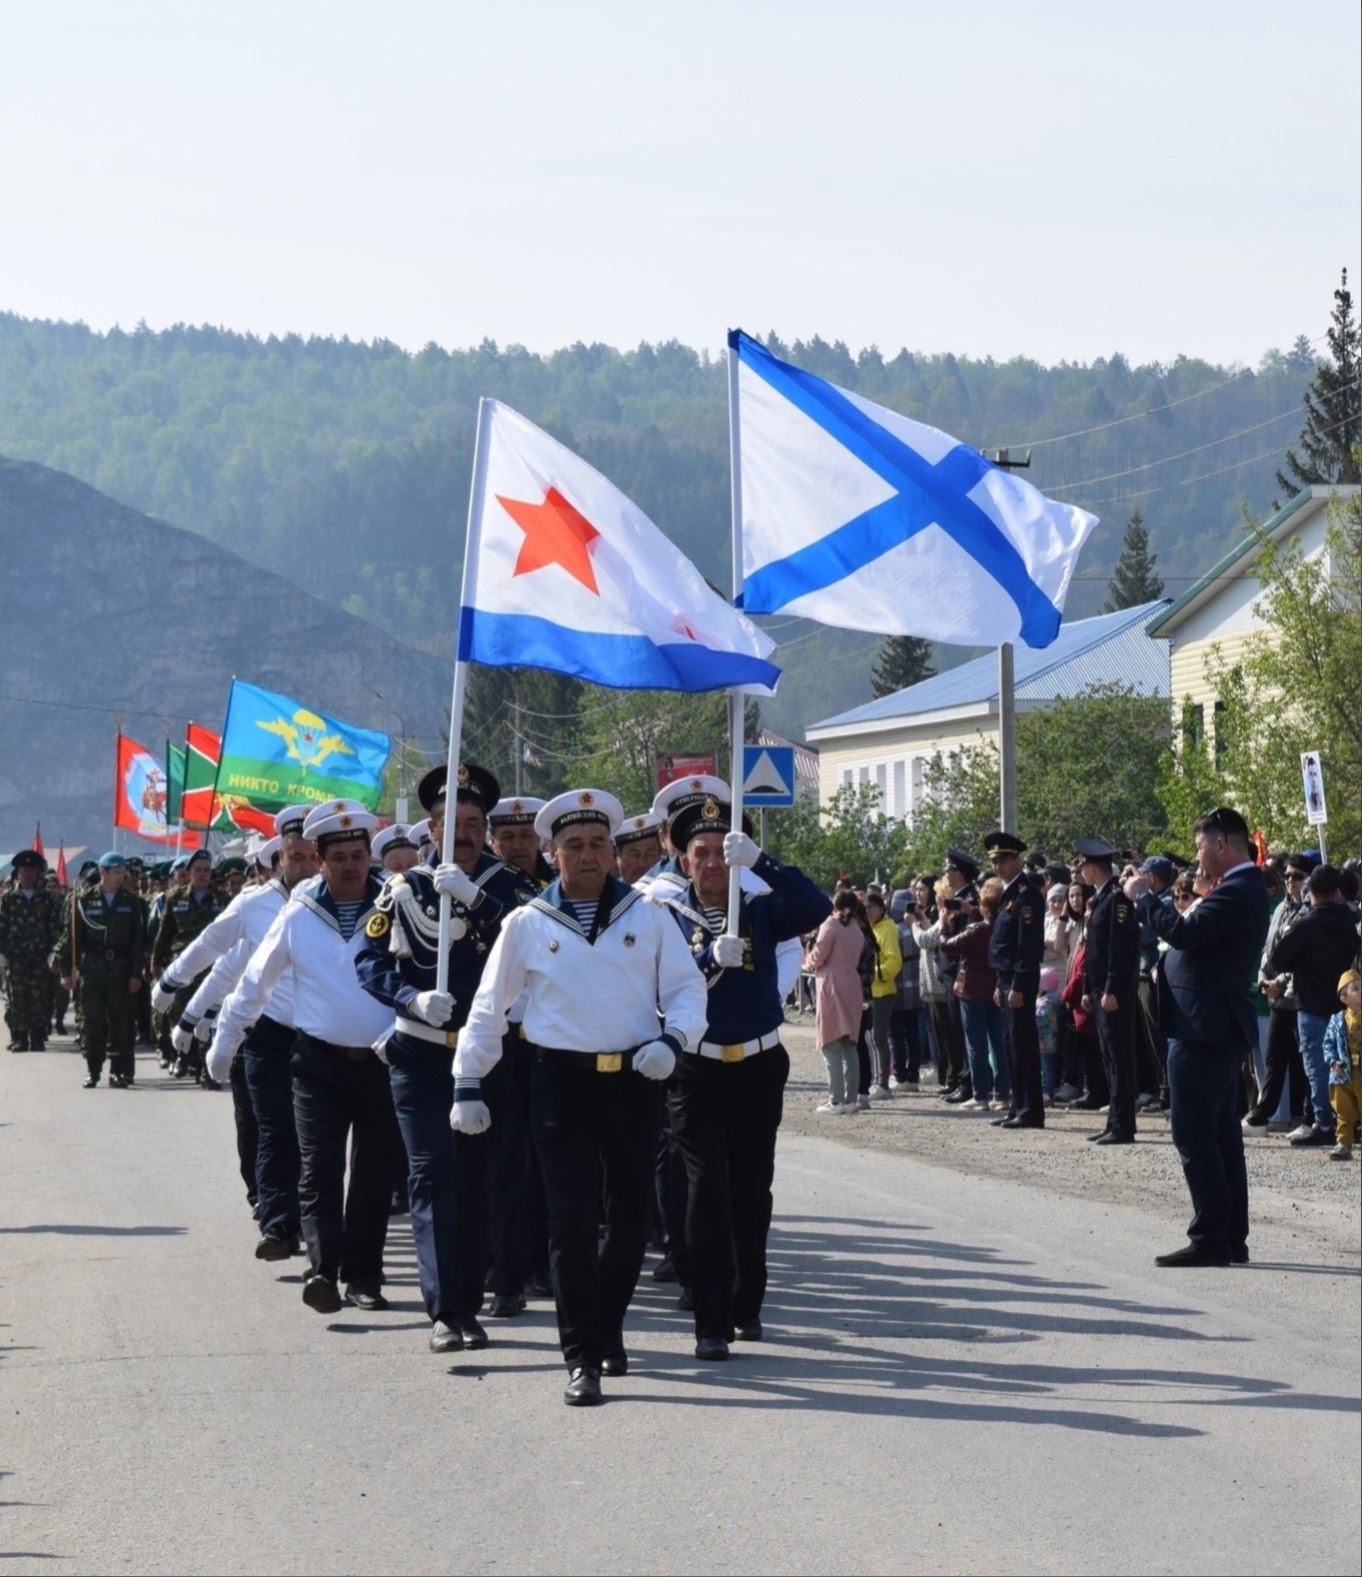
1213	953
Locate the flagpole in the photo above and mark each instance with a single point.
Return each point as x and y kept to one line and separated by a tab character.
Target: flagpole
736	696
476	491
1007	738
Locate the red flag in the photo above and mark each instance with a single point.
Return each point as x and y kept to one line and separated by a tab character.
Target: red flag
1259	843
140	795
202	750
61	864
38	840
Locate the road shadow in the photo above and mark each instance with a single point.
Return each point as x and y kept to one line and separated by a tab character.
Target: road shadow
72	1229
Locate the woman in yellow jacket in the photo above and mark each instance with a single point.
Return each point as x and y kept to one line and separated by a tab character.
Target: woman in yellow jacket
884	990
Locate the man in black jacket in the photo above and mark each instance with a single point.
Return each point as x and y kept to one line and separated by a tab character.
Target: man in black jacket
1213	953
1316	950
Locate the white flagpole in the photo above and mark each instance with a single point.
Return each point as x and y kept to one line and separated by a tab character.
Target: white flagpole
476	493
739	719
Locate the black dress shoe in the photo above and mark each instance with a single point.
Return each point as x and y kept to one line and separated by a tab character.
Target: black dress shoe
115	1081
506	1305
583	1388
90	1082
1087	1104
958	1097
539	1285
1092	1138
686	1300
665	1270
999	1122
321	1293
474	1336
713	1349
1112	1137
1018	1122
1239	1254
1194	1254
275	1245
365	1295
445	1336
751	1332
614	1359
208	1083
180	1069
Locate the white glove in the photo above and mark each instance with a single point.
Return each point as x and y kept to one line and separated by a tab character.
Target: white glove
655	1060
432	1007
470	1117
162	997
452	879
728	952
203	1030
219	1063
182	1037
739	849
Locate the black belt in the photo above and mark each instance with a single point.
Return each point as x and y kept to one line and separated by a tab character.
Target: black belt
270	1037
589	1061
349	1053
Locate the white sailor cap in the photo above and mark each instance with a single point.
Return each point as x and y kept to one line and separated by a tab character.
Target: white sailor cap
290	820
515	812
579	807
694	790
398	836
419	833
632	828
339	820
264	852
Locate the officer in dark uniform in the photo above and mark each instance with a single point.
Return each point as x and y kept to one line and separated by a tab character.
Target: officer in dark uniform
397	966
1014	951
102	946
1110	984
727	1092
962	909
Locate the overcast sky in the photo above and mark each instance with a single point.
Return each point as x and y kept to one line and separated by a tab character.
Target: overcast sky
1057	180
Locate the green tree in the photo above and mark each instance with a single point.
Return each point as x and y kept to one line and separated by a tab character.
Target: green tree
1333	409
1133	580
902	660
850	838
959	806
623	732
1186	782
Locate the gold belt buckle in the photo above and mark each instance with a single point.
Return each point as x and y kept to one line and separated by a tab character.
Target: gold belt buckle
731	1053
609	1061
520	1030
451	1038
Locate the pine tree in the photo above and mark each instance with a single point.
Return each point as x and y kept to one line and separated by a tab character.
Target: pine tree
903	660
1333	408
1133	580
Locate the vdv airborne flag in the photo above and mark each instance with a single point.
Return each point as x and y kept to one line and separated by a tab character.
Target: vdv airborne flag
566	573
276	753
858	517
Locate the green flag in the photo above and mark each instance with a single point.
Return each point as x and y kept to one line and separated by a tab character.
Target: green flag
174	782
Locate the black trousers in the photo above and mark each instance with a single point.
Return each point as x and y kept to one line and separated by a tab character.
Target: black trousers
1115	1035
725	1117
247	1130
335	1099
1023	1049
515	1204
960	1076
266	1065
1283	1057
672	1194
594	1130
1151	1044
1203	1081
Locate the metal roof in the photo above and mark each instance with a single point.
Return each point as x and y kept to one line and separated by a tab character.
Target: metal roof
1113	648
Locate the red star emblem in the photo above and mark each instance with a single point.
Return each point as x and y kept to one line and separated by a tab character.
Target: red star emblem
555	533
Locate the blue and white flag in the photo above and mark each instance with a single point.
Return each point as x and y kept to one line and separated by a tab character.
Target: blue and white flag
858	517
564	572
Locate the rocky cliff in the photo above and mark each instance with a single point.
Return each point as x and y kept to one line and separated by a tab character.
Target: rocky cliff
108	613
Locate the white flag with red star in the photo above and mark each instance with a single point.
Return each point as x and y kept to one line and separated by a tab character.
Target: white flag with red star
564	572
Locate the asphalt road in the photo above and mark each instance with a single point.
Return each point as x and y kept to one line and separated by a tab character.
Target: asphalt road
964	1373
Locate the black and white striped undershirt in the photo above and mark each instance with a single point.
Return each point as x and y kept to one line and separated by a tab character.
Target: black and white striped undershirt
347	918
585	911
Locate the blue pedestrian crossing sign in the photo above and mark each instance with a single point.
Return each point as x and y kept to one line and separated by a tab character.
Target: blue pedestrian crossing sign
768	776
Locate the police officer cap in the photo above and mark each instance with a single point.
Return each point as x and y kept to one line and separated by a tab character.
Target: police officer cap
676	796
1157	865
339	821
710	815
1000	842
635	828
476	786
28	860
1094	849
519	811
397	836
112	861
958	860
289	821
579	807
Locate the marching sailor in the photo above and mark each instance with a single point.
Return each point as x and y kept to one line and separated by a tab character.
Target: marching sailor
340	1087
638	845
726	1097
395	850
397	967
600	966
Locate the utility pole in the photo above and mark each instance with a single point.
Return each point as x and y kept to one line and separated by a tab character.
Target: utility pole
1007	693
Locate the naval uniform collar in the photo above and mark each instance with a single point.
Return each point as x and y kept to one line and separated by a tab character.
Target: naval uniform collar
615	899
323	905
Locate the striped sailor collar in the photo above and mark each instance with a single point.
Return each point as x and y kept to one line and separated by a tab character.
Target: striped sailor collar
688	903
552	903
313	895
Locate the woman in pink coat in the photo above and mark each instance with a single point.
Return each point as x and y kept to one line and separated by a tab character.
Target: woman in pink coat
835	953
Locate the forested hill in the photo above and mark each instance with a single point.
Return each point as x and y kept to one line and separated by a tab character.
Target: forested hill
345	466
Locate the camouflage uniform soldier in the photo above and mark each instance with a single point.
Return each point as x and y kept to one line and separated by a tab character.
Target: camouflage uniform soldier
29	917
188	910
61	1000
102	947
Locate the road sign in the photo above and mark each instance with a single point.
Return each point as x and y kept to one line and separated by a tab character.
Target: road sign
768	775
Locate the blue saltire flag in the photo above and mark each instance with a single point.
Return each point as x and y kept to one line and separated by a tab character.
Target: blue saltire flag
276	752
858	517
566	573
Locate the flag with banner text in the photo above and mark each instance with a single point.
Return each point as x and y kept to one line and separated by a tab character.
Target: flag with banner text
566	573
275	752
140	795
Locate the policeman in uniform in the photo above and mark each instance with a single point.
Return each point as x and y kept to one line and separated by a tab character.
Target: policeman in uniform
1014	951
397	966
638	845
340	1087
1110	984
601	967
727	1093
102	948
29	920
188	911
